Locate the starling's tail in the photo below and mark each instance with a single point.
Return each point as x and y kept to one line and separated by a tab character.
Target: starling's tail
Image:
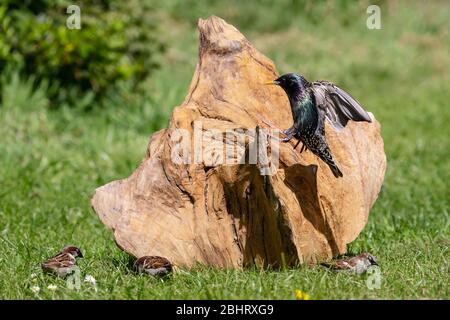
319	147
326	156
334	168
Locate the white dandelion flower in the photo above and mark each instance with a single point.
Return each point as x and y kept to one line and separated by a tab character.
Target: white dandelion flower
52	287
35	289
33	275
90	279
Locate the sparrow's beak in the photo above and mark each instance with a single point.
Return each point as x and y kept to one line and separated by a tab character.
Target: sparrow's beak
80	255
273	83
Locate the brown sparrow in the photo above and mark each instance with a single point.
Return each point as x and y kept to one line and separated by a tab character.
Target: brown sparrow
358	264
64	262
153	265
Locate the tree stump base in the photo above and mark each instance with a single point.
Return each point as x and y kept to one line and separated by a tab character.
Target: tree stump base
232	215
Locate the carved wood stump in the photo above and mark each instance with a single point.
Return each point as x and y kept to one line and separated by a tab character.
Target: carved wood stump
232	215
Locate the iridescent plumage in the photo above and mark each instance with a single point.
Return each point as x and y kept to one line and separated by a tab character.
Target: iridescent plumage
310	104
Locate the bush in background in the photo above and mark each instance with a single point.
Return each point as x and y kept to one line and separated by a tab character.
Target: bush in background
118	41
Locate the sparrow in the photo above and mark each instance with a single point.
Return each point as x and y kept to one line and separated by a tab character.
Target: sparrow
311	104
358	264
64	262
153	265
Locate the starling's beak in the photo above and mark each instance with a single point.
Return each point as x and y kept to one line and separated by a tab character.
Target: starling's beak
273	83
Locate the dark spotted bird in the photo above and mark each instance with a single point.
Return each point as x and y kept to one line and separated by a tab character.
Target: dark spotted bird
310	104
64	262
153	265
358	264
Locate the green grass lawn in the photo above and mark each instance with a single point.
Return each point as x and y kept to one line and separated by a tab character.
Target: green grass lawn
51	160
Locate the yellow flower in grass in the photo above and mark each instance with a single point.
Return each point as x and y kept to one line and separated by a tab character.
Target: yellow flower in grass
300	295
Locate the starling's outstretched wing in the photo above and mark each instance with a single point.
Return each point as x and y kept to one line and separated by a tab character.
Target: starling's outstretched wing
337	105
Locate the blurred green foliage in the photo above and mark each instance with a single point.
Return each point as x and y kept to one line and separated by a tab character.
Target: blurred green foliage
118	41
269	15
52	160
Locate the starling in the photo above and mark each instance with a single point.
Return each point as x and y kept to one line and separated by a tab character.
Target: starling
310	104
153	265
64	262
358	264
